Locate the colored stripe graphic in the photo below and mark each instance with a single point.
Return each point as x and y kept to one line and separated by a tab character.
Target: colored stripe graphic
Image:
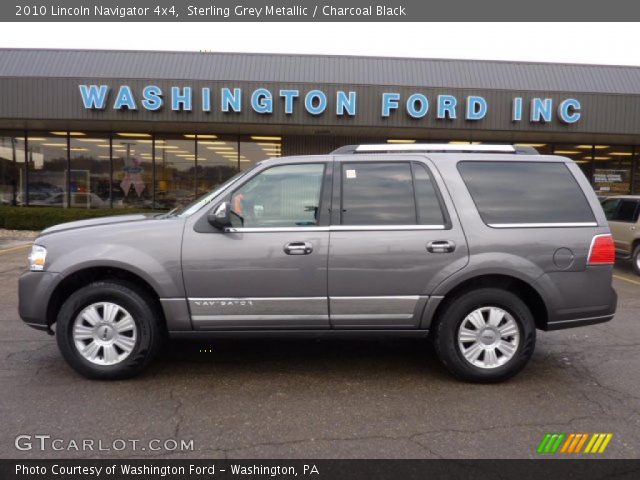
605	442
550	443
557	443
543	443
572	443
570	439
598	443
581	443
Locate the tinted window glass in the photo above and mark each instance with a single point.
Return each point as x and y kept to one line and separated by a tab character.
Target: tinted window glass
626	211
429	209
377	194
285	196
525	192
610	206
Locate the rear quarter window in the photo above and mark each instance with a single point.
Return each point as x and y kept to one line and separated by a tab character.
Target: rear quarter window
525	193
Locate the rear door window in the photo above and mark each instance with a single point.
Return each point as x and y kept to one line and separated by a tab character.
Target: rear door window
521	193
389	193
377	194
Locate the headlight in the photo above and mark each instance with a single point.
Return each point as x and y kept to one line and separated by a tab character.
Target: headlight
37	258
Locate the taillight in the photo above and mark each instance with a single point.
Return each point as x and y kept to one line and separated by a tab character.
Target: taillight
602	251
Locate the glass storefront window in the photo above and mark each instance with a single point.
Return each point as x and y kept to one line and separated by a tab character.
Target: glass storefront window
11	169
117	168
89	181
258	147
217	161
175	171
612	170
132	184
47	161
581	154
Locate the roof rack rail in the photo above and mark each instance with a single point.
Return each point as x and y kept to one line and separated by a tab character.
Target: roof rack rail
434	147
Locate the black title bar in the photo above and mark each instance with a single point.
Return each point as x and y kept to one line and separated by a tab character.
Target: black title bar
319	469
324	11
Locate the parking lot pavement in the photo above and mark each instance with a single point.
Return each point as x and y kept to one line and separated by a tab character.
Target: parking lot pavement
330	399
12	238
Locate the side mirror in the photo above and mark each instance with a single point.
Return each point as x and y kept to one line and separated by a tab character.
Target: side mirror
220	216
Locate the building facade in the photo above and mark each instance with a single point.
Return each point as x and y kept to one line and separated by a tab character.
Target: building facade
99	129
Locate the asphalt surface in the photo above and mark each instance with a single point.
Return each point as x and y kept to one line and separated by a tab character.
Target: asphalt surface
320	399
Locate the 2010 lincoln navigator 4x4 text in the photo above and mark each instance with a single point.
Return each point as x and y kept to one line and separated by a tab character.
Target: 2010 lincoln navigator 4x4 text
475	247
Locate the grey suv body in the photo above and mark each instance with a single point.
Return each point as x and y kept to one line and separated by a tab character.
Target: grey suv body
477	249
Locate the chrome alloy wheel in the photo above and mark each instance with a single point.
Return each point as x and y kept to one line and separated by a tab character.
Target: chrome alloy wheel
104	333
488	337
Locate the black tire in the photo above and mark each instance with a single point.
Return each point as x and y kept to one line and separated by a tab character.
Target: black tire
635	258
148	323
445	334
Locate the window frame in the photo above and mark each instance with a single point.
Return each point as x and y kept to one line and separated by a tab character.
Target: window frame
323	212
498	226
339	199
446	219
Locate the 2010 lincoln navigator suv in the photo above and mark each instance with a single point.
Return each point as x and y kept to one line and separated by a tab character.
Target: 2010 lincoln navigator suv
474	246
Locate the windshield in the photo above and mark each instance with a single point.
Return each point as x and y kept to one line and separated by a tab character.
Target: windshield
197	204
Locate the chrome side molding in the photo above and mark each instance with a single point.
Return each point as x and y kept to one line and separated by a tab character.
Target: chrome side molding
334	228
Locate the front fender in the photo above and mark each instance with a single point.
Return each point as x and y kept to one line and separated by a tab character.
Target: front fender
149	249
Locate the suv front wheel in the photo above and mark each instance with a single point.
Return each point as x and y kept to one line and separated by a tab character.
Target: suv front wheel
485	335
108	330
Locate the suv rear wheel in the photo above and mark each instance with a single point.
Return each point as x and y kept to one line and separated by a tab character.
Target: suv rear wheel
485	335
108	330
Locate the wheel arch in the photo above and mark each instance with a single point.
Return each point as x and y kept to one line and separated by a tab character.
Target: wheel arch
532	298
82	277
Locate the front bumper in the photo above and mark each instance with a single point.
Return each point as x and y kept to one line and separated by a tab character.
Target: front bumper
34	292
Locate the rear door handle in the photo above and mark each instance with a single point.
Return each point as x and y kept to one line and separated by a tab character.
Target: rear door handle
441	246
298	248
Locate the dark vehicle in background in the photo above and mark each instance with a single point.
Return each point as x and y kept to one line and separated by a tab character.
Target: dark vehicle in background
475	246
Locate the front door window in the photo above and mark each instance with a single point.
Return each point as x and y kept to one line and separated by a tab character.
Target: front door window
283	196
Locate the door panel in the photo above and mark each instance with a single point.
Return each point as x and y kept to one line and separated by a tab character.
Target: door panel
390	312
270	271
294	312
381	274
376	265
278	290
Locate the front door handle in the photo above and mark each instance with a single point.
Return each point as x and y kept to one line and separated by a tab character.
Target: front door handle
441	246
298	248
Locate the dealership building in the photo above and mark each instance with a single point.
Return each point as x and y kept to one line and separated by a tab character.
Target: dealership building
97	129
